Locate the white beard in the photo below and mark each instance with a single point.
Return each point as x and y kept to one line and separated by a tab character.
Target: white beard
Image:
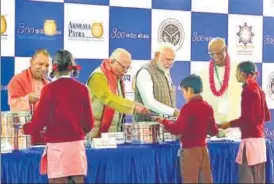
162	68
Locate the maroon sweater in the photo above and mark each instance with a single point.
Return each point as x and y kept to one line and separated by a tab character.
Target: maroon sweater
253	114
65	110
195	122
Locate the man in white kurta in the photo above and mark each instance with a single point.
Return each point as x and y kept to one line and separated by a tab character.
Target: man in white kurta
226	106
154	87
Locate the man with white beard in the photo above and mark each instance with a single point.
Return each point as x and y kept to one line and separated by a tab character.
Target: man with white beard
154	87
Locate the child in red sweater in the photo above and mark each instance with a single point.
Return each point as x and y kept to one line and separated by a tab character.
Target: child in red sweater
65	110
195	122
254	113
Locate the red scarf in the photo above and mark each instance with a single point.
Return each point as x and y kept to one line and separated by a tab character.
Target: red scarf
23	84
251	82
108	112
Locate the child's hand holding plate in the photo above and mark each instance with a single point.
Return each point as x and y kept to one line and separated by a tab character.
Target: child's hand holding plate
159	119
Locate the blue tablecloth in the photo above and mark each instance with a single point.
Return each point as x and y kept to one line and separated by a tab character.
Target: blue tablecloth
132	164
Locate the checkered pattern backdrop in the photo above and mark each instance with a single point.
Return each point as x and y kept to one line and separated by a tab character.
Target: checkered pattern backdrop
92	29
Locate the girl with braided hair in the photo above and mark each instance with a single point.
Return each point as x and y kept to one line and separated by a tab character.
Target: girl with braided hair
65	111
252	151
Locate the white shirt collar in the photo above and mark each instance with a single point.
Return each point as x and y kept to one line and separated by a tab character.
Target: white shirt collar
63	76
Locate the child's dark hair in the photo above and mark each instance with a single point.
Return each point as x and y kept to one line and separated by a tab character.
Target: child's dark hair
247	67
192	81
62	61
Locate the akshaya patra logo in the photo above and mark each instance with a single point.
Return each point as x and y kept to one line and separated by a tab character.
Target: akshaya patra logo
85	31
47	32
245	35
172	31
4	26
270	86
245	40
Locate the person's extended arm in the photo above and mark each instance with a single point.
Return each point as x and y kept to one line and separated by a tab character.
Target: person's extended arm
87	116
16	100
99	87
41	115
145	86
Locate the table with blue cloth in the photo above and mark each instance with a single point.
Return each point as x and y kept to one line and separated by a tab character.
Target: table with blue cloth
132	164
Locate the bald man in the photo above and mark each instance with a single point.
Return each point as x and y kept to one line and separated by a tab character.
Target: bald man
24	89
154	87
225	99
107	93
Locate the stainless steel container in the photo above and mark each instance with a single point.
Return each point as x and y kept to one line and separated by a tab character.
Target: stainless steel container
147	133
168	137
11	129
128	129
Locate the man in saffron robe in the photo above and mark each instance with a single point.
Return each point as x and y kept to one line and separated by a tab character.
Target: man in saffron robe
221	89
107	93
24	88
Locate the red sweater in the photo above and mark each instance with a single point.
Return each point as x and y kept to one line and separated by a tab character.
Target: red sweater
253	114
65	110
195	122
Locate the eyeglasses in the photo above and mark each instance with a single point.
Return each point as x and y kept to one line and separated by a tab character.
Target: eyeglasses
212	54
122	66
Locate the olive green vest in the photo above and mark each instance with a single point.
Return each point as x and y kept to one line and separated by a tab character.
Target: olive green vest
163	91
